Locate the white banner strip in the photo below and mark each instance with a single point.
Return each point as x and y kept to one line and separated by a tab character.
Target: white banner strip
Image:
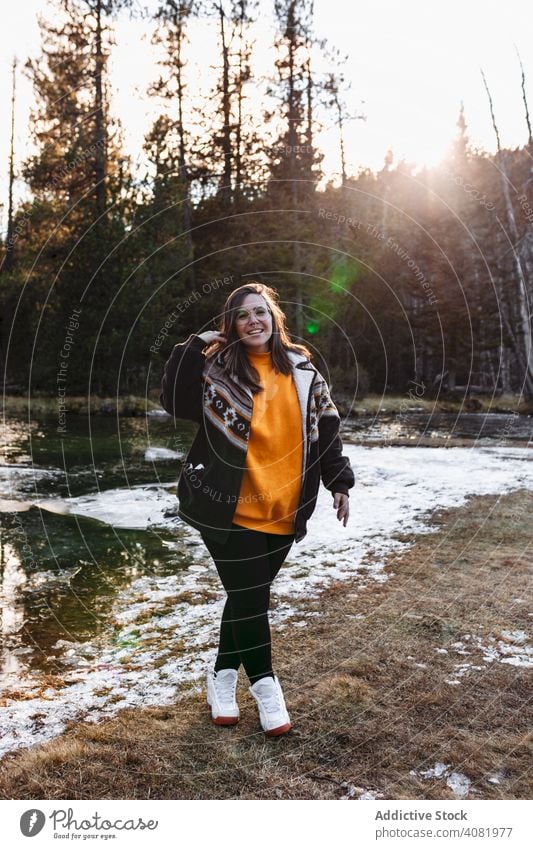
234	824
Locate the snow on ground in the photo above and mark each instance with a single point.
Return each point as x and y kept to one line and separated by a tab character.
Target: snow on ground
456	781
511	648
136	508
156	453
162	641
396	489
353	792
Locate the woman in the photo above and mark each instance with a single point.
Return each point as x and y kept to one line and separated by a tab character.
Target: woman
269	432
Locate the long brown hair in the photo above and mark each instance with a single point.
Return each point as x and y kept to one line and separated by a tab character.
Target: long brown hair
233	354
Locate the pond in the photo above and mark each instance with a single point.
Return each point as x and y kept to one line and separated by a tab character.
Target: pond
443	426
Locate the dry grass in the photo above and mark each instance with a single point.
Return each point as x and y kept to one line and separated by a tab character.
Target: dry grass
364	714
43	404
445	403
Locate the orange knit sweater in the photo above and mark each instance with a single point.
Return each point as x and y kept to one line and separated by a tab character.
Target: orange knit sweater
271	483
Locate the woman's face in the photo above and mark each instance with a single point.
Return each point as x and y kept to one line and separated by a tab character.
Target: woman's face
253	322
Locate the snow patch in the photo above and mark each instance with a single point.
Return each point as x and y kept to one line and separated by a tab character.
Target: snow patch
456	781
156	453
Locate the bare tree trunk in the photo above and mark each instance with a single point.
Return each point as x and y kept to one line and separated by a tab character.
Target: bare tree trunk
341	141
524	342
505	369
226	112
524	98
525	347
292	139
182	158
238	130
7	264
100	163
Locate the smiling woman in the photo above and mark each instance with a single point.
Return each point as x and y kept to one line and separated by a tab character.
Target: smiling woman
254	323
269	432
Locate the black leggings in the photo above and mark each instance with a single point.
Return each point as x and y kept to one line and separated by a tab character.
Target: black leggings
247	564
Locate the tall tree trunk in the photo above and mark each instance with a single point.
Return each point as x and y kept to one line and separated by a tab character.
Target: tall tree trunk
292	141
100	158
524	98
8	258
340	122
504	366
238	129
226	112
524	341
183	169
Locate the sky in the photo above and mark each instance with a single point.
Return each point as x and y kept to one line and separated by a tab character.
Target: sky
410	64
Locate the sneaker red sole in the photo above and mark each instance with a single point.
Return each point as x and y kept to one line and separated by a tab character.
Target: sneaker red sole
281	729
225	720
222	720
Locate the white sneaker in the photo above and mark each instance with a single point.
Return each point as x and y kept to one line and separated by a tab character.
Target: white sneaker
272	710
221	687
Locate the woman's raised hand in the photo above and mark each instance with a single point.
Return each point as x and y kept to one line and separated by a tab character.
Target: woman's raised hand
212	336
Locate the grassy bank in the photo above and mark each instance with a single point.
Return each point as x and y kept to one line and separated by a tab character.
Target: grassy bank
133	405
395	404
46	406
367	685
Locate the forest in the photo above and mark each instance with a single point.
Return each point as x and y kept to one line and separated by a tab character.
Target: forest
397	278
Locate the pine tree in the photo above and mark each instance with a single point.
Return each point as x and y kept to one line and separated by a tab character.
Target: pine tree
160	261
294	165
173	17
77	180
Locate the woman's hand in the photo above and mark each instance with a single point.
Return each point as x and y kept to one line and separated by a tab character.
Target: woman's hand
212	336
341	505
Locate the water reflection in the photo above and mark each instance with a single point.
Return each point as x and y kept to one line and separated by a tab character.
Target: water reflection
441	426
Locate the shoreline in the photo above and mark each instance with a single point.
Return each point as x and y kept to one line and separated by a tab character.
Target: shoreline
372	405
348	438
385	683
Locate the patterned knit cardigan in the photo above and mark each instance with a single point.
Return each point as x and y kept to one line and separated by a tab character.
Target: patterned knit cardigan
197	389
